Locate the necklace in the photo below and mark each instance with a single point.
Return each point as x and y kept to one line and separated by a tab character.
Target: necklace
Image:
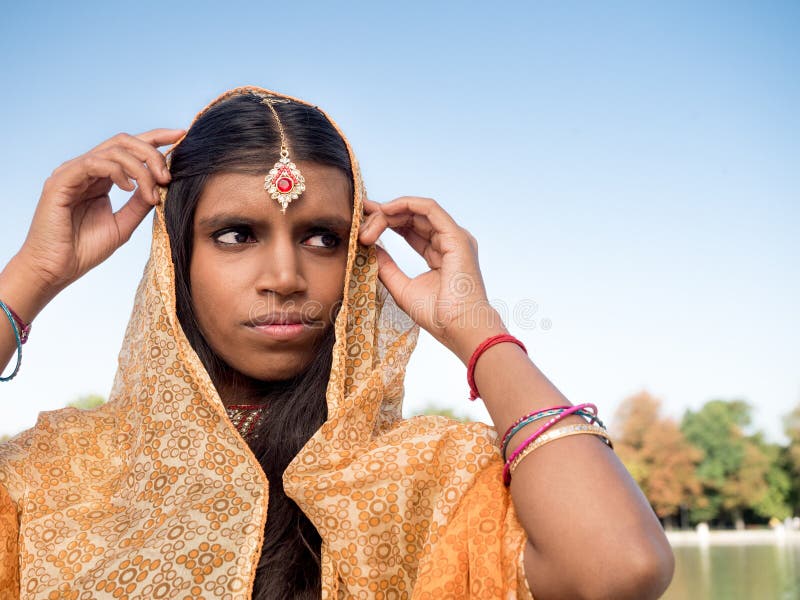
246	417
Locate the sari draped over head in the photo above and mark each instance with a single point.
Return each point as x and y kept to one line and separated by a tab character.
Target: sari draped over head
155	494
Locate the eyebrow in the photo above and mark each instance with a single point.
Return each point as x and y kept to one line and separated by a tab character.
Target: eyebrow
334	222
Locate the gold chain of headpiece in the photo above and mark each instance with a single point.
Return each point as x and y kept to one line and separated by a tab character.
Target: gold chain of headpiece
268	101
284	182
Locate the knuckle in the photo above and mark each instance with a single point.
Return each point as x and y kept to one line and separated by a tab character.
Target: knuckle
102	153
470	238
145	175
49	184
122	136
60	168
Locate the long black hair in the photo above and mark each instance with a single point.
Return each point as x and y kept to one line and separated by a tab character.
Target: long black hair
239	134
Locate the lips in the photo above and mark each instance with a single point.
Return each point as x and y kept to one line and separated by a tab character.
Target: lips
277	318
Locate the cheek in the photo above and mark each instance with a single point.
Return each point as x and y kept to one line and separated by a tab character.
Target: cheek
327	280
212	290
328	289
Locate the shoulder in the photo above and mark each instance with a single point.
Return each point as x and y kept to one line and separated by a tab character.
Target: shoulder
444	428
13	458
66	431
481	534
445	456
56	424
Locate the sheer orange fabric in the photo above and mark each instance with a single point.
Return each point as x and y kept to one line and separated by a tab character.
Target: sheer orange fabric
156	495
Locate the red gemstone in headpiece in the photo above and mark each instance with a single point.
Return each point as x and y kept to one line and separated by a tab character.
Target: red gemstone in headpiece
284	185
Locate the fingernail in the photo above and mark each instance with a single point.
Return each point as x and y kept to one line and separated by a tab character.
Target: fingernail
165	173
156	194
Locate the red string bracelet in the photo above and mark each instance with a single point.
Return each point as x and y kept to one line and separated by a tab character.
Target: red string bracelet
487	343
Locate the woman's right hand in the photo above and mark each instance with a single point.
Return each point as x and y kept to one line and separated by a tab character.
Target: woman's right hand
74	228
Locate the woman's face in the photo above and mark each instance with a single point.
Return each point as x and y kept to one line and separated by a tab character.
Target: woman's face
250	261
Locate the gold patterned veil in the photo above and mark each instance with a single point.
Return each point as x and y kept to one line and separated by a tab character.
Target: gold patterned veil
156	495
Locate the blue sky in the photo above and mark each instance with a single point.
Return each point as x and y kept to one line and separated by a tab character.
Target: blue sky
645	231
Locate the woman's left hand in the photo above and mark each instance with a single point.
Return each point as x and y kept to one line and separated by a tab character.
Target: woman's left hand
450	300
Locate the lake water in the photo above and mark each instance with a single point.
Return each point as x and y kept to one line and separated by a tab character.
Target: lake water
733	572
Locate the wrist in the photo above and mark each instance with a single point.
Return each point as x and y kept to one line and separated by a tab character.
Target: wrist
23	290
465	340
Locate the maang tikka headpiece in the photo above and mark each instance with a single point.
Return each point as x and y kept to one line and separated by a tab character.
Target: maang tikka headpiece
284	182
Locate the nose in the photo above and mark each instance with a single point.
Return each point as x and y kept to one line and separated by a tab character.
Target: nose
281	268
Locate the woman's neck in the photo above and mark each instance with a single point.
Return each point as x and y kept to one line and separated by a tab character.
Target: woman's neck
240	389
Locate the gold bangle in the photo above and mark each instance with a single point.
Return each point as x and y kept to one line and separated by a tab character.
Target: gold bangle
555	434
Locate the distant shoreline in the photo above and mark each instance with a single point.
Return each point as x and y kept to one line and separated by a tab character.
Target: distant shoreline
733	537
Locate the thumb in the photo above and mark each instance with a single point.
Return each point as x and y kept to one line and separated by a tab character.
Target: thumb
390	275
131	214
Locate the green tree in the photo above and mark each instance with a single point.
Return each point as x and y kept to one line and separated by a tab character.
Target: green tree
433	409
87	402
776	501
791	456
738	472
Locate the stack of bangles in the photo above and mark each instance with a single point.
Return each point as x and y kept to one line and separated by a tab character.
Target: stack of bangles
545	433
21	332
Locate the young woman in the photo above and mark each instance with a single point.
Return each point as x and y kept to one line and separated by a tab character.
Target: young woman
253	444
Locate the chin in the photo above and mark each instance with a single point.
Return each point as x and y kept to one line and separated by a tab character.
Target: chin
275	367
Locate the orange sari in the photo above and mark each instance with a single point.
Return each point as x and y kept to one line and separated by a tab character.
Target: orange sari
156	495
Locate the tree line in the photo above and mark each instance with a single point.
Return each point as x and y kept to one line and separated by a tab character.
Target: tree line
707	468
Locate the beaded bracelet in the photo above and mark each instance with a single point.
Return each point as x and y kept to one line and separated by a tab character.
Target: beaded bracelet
15	327
554	435
543	414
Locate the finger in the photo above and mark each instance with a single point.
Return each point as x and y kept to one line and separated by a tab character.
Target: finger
420	224
85	173
143	150
153	138
390	274
370	206
131	214
136	169
376	223
161	136
421	246
438	217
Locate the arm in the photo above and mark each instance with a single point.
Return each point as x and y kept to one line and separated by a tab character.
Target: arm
591	532
74	228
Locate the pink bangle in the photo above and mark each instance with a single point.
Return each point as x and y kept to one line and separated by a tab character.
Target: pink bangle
533	413
536	415
571	410
487	343
24	329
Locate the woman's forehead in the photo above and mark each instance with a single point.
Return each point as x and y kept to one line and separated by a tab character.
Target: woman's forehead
327	197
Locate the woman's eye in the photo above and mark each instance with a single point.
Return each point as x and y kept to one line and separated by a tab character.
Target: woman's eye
232	236
327	240
243	235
